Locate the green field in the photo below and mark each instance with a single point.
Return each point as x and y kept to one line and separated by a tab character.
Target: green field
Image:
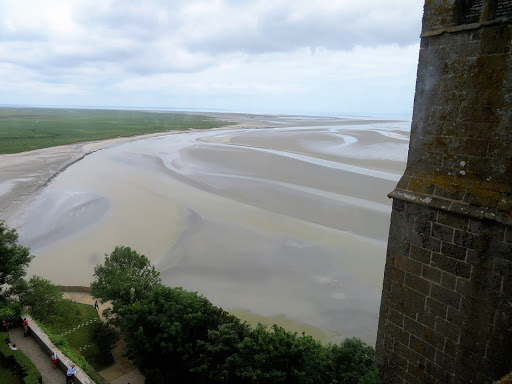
25	129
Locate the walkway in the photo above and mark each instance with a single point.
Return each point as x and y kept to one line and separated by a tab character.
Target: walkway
35	353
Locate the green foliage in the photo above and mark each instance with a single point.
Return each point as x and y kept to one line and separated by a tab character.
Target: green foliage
10	312
71	353
30	373
124	277
25	129
14	258
76	314
179	336
105	336
371	377
163	328
350	361
41	297
63	315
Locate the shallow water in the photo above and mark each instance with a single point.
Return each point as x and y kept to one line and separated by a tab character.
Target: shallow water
282	221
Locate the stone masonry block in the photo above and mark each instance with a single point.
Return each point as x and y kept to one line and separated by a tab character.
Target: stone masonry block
427	319
508	235
447	329
500	249
409	354
422	212
408	265
425	241
420	254
397	249
450	265
424	333
453	251
393	273
431	273
482	260
422	226
398	205
468	240
422	348
398	333
436	307
452	220
450	347
445	361
488	228
417	283
406	300
448	281
442	232
445	296
396	317
502	267
442	375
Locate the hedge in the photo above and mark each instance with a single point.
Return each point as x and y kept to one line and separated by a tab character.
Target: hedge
29	371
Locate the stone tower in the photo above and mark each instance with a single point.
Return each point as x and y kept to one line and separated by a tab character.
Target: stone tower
446	309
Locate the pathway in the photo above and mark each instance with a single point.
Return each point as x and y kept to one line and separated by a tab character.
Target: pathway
35	353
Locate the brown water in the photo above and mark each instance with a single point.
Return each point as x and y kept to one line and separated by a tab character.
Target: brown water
285	223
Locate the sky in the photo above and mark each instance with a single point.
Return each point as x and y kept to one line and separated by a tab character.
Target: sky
312	57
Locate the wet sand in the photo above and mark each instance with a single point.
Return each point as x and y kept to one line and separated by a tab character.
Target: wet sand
287	224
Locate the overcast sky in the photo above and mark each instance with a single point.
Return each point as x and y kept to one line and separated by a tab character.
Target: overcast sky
262	56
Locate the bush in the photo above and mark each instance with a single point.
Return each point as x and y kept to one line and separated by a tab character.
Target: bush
29	371
10	312
40	296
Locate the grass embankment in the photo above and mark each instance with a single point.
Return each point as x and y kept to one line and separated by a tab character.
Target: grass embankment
25	129
77	335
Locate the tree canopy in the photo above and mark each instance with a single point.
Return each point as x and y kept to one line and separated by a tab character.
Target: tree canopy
124	277
14	258
179	336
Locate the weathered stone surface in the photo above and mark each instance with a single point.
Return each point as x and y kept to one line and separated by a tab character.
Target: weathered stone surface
445	310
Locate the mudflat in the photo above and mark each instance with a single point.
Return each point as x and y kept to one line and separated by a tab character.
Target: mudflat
277	217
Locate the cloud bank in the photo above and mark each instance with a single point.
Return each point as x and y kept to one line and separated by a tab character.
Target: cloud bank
221	48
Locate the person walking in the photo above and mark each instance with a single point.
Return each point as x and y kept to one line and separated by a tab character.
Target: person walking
69	374
54	358
96	305
5	326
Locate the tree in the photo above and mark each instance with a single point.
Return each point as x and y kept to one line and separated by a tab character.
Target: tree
163	330
179	336
350	361
39	295
105	336
14	258
124	277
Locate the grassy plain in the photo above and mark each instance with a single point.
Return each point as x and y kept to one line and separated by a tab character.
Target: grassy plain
25	129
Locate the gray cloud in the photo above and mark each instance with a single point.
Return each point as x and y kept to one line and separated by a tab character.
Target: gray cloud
185	36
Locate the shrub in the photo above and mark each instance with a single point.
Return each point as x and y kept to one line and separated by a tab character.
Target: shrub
29	371
10	312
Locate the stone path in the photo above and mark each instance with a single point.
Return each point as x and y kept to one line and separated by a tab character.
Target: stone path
35	353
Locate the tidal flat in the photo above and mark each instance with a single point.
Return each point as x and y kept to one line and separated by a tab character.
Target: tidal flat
282	218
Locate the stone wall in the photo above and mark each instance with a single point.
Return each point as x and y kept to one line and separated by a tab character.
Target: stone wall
445	312
446	309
